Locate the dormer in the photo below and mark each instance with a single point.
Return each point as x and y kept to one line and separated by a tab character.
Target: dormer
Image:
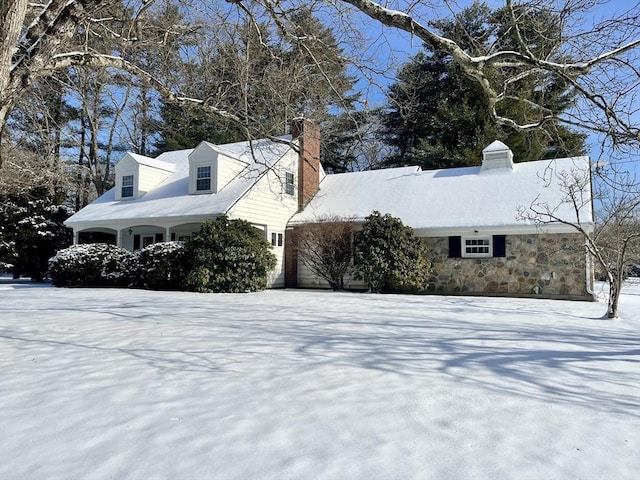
210	169
137	174
497	155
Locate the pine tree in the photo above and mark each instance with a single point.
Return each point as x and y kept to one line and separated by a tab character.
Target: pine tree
438	118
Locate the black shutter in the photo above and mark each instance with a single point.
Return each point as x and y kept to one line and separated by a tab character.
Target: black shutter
159	237
499	246
455	247
136	242
173	236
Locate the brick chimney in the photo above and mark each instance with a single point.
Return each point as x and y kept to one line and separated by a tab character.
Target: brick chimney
308	135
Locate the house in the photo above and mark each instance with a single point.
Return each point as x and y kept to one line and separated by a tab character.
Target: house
467	216
171	196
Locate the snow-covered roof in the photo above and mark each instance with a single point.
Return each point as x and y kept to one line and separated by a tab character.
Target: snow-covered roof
454	198
172	199
153	162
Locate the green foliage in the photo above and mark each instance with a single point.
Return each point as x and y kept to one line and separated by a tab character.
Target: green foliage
257	72
31	230
228	256
389	257
440	118
159	266
90	265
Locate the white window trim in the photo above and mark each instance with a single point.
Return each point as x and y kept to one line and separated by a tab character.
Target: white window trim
288	175
193	178
466	254
210	178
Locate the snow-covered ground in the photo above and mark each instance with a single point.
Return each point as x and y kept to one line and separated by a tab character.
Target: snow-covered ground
130	384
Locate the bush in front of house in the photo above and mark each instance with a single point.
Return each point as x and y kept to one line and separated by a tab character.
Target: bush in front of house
389	257
228	256
159	266
90	265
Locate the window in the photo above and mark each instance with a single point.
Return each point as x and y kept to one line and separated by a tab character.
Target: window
147	240
203	178
127	186
277	239
288	183
476	247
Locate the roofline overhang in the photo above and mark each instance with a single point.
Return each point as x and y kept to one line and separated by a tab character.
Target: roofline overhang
120	223
514	229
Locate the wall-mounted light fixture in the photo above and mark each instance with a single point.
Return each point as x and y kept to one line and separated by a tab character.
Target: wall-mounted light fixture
130	231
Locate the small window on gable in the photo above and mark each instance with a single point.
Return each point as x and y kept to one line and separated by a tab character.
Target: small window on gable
279	239
203	178
273	239
477	247
289	179
127	186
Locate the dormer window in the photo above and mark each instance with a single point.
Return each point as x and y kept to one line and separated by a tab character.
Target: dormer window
203	178
127	186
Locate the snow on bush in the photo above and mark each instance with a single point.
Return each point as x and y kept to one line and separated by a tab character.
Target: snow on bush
159	266
90	265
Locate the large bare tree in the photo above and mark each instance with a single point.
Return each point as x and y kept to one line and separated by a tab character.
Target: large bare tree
598	56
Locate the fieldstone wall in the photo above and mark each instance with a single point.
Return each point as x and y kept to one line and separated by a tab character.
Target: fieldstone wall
551	265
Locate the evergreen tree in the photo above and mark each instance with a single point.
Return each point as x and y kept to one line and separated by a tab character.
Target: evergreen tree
388	256
438	118
266	77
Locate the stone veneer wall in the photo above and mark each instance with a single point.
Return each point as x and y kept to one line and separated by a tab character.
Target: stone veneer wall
546	265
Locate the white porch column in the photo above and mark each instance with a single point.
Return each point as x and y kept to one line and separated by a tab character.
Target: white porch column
119	237
76	236
167	234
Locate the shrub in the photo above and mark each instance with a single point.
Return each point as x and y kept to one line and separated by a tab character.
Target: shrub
228	256
326	248
159	266
389	257
90	265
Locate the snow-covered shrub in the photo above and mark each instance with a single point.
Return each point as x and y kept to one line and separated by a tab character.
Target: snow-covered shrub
159	266
228	256
90	265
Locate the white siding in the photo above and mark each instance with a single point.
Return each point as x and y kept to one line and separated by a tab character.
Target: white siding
308	279
266	204
127	166
149	178
228	169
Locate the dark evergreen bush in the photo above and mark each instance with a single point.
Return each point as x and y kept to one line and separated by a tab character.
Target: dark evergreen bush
228	256
90	265
389	257
159	266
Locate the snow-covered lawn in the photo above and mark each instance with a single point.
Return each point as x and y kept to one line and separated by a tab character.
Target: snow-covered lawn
129	384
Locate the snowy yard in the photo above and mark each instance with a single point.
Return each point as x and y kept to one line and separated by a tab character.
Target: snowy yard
127	384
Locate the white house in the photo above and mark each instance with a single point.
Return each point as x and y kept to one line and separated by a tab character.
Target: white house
467	216
169	197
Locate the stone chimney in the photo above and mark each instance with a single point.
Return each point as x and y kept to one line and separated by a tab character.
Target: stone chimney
497	155
308	135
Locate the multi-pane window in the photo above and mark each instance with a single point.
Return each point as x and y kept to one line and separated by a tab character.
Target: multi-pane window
476	247
277	239
203	178
127	186
288	183
147	240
